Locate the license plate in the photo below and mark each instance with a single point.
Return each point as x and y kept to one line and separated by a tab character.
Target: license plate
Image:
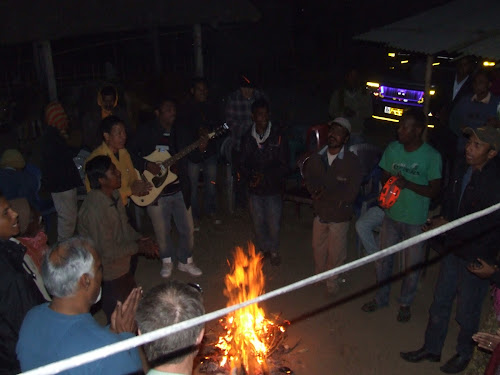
393	111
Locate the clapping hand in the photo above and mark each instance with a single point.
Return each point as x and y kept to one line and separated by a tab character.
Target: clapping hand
123	317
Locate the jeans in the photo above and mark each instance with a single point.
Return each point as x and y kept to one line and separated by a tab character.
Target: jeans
209	178
365	225
66	206
391	233
266	215
161	214
455	280
329	243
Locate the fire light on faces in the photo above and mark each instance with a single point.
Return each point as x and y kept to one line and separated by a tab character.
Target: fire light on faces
249	337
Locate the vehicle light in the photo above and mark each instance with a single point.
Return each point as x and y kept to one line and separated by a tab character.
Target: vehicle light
385	118
391	54
373	84
488	63
405	61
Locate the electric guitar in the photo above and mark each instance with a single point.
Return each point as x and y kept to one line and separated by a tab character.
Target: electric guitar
165	161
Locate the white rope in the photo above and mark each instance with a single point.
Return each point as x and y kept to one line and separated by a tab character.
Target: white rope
133	342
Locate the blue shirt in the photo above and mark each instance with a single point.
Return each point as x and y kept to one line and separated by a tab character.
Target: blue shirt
47	336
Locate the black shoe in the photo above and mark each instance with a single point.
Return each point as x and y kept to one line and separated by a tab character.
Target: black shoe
404	314
455	365
420	355
275	259
371	306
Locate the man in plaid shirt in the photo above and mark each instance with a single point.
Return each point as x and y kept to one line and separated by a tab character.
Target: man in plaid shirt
239	120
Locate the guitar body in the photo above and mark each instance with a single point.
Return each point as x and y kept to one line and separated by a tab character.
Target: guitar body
166	176
158	181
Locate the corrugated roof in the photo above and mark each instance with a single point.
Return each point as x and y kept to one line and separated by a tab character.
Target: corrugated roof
461	26
28	20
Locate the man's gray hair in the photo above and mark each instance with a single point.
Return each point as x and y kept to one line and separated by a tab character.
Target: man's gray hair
166	304
62	271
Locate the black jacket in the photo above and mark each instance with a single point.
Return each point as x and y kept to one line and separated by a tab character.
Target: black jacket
18	294
144	143
270	160
193	116
59	172
480	237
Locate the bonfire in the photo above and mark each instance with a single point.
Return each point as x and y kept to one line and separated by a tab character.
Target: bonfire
248	337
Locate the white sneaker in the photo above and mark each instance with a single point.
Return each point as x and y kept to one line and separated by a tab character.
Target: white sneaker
190	268
166	270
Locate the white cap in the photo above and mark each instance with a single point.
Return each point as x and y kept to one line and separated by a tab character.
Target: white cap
343	122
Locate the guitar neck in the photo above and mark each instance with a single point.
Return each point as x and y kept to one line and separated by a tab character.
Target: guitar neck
174	159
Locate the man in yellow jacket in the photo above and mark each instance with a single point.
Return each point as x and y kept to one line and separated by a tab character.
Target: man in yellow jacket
115	136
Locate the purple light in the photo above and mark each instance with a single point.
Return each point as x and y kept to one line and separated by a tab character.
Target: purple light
402	95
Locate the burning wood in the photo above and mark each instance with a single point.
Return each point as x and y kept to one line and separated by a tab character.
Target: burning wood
248	338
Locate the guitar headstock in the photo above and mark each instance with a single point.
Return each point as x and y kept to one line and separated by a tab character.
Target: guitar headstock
219	131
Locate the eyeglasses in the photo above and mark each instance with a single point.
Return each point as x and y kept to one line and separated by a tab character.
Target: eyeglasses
196	286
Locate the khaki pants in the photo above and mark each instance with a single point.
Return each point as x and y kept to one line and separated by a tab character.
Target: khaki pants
329	243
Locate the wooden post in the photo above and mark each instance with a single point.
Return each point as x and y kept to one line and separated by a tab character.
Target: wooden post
198	54
45	67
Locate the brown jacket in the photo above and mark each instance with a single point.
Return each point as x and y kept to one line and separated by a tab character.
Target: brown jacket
341	182
105	221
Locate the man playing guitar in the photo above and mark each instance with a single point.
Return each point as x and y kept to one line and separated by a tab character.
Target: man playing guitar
174	200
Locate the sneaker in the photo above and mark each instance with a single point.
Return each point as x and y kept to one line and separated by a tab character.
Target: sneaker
166	269
190	268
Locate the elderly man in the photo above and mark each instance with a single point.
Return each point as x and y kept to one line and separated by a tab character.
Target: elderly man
72	273
164	305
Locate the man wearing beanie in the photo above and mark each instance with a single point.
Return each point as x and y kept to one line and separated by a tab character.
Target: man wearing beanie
60	176
15	182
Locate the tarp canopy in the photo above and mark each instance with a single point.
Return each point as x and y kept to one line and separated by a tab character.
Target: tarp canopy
462	27
27	20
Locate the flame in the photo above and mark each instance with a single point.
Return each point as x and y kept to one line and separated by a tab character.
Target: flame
247	331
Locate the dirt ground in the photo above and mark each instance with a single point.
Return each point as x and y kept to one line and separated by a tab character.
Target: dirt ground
334	336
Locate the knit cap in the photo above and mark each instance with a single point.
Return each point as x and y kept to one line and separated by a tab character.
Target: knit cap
12	158
56	117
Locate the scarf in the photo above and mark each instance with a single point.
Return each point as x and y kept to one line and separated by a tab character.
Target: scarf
258	138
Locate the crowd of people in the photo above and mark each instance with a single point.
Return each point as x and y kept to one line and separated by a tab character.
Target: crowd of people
155	168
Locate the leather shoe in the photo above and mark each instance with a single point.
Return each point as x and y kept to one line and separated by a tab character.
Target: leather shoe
420	355
455	365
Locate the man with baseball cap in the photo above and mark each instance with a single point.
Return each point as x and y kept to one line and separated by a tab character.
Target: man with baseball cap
333	177
468	251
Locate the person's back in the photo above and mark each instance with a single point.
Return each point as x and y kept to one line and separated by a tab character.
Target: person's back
59	336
